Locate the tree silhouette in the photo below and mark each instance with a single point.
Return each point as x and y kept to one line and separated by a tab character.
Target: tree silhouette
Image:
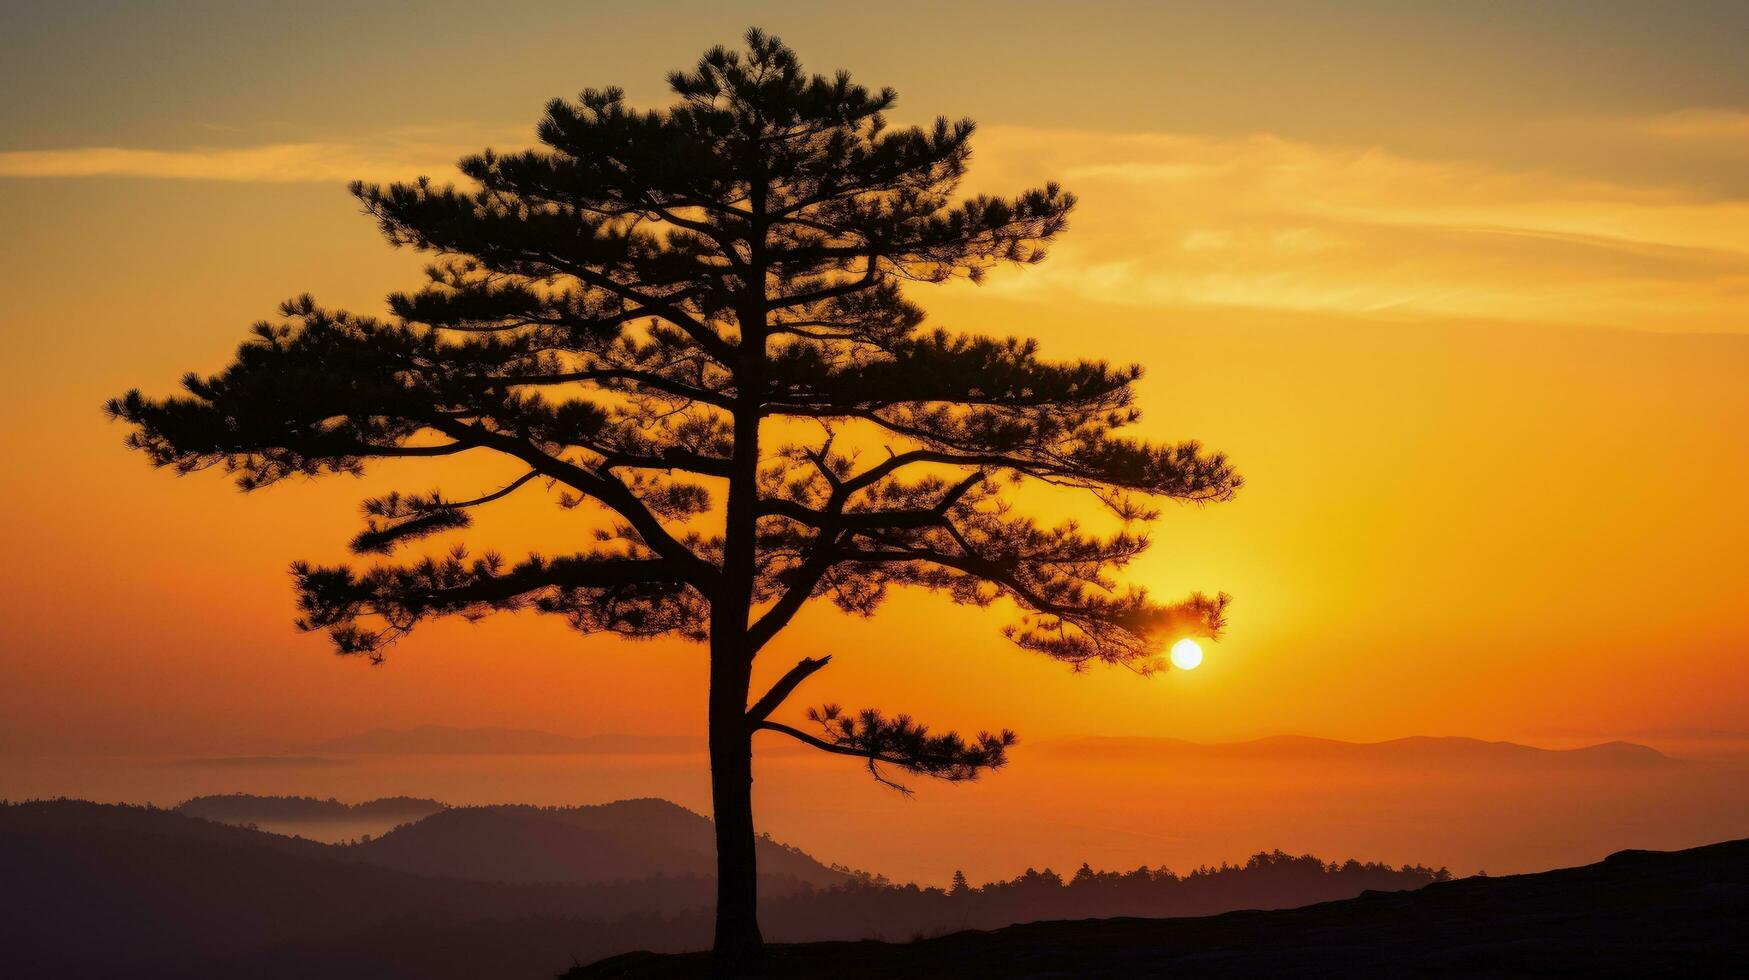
626	312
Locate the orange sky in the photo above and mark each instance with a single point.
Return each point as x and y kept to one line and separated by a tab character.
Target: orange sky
1476	341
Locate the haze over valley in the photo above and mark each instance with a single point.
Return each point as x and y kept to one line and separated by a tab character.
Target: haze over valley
1467	804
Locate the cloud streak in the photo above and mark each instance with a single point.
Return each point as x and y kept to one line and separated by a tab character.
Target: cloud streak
1184	221
274	163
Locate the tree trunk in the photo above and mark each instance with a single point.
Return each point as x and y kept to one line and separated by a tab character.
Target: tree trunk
739	951
739	948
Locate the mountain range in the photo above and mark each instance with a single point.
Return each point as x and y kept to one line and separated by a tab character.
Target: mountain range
99	890
1437	751
1414	751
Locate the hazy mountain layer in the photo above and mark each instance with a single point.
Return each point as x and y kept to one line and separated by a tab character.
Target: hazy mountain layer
444	740
1415	751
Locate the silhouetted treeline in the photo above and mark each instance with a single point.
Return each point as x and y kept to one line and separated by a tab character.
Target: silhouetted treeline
1269	880
243	809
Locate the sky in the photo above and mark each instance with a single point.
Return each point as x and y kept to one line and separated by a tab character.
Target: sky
1461	288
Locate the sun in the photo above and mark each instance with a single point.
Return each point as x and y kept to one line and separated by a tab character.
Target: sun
1186	654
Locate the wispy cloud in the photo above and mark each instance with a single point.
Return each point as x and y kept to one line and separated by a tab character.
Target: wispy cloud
397	155
1726	128
282	163
1187	221
1183	221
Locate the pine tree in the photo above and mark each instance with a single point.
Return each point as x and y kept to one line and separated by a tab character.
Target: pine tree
960	884
691	322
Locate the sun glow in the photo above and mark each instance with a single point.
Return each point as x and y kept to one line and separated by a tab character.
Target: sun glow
1186	654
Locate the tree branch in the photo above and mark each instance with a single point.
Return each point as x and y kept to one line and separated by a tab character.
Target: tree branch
900	741
635	596
645	378
498	494
825	746
602	487
785	686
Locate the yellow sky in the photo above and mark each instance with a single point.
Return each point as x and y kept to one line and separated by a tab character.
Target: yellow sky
1482	362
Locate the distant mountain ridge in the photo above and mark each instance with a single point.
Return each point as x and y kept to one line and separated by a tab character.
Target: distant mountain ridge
446	740
1443	751
245	808
1414	749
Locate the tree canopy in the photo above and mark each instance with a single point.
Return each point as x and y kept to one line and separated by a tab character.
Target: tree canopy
693	322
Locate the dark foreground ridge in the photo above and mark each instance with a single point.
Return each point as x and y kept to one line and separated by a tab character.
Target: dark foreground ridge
1635	914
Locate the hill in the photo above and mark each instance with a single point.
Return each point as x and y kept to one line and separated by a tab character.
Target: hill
1635	914
582	845
107	890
